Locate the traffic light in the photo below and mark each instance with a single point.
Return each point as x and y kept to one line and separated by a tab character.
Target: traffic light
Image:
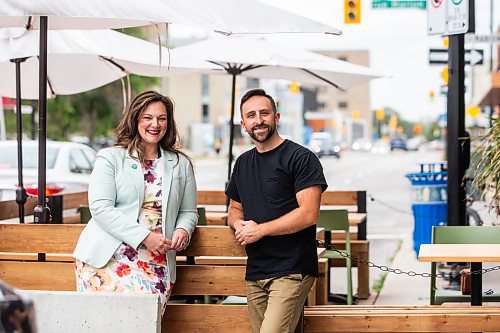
444	75
380	114
294	87
355	115
473	111
352	11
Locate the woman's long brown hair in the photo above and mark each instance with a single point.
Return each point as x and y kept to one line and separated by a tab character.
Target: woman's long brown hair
127	134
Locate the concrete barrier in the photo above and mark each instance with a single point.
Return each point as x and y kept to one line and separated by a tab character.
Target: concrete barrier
64	311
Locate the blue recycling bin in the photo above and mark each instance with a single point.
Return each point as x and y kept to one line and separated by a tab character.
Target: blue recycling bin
429	192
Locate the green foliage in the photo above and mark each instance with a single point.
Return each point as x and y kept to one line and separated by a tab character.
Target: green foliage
10	124
486	166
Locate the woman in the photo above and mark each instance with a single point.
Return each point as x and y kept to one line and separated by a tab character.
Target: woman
142	196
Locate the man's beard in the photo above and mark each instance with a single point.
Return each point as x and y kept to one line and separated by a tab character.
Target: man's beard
271	130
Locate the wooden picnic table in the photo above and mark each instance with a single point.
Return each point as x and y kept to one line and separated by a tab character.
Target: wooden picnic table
476	254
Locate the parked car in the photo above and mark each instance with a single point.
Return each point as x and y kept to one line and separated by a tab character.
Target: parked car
398	142
69	165
415	142
323	144
361	144
380	147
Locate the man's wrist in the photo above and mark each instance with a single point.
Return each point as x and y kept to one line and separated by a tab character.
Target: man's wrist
263	229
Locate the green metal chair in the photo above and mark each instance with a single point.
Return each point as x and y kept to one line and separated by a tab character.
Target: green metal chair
85	214
202	216
460	235
332	220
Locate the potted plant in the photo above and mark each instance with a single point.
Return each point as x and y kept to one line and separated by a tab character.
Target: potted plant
486	167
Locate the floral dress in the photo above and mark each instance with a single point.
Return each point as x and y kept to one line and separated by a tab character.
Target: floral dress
131	270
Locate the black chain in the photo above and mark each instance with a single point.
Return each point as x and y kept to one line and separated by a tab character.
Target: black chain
402	211
384	268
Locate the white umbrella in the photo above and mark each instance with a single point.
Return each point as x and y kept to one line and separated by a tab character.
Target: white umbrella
265	59
95	14
227	16
79	61
82	60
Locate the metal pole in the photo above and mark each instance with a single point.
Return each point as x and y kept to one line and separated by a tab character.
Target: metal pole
231	124
41	212
33	131
20	190
456	131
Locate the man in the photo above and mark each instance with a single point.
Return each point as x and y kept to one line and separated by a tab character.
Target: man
275	193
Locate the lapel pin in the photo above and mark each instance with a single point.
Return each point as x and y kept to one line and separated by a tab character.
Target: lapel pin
134	166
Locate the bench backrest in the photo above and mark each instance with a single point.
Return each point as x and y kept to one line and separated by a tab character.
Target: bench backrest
328	198
57	274
9	209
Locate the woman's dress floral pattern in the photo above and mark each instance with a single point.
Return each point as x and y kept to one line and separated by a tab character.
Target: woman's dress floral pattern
131	270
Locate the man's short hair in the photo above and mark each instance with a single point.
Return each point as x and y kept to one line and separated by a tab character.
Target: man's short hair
257	92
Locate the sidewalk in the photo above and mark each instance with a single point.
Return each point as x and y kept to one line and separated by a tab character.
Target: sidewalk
401	289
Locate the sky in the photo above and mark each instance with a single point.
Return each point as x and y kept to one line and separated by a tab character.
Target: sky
398	44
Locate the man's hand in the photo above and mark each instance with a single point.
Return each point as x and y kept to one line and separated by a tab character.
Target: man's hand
238	224
249	232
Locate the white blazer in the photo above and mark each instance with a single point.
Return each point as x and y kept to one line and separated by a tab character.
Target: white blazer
116	194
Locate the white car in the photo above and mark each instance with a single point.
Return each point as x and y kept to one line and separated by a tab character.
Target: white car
323	144
69	164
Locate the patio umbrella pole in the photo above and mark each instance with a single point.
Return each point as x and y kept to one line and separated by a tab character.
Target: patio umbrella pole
20	190
41	212
233	72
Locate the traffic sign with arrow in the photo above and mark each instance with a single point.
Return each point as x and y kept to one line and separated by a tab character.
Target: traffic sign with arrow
471	56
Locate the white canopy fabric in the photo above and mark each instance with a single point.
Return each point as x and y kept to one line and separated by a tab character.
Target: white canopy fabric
227	16
81	60
266	59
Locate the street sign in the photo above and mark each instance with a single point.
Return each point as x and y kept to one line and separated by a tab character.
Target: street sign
458	17
384	4
447	17
471	57
491	39
436	17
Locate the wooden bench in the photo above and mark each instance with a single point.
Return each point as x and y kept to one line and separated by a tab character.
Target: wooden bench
355	200
24	270
428	318
37	257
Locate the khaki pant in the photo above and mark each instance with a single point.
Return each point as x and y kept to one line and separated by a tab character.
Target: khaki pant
275	304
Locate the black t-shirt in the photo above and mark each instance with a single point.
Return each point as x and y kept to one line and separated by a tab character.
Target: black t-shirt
265	184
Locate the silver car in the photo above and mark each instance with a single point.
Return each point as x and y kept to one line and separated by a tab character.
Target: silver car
323	144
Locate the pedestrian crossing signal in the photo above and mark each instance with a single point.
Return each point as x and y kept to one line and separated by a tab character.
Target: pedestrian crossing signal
352	11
